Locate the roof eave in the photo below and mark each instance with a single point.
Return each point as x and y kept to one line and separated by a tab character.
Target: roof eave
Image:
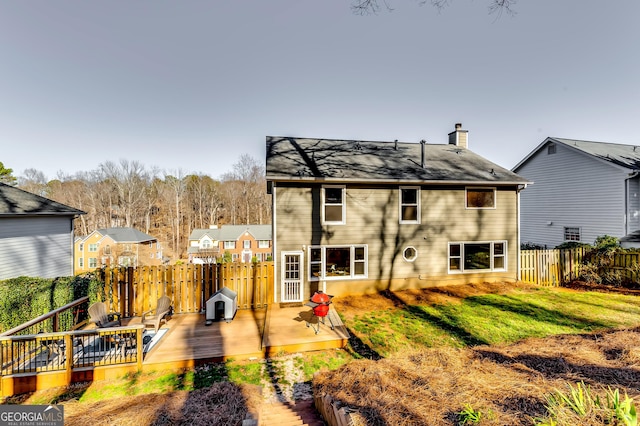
399	181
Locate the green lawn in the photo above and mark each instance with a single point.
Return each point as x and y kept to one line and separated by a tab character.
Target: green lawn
493	319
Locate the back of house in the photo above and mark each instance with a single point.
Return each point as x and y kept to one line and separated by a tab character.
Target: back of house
354	217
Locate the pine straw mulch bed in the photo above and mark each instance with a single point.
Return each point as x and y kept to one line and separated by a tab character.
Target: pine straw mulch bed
222	404
510	382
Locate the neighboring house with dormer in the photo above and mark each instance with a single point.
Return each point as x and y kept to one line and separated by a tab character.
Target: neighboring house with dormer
36	235
116	247
244	243
582	190
353	217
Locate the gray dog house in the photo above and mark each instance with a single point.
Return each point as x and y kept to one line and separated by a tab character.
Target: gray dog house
221	306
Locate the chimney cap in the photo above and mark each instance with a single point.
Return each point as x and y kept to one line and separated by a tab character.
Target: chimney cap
458	126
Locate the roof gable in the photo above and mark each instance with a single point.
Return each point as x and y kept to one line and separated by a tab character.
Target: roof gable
15	201
291	158
626	156
126	235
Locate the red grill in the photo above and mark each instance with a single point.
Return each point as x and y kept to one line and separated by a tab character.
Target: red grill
319	304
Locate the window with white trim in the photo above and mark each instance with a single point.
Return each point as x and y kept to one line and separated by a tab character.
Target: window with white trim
337	262
80	262
206	244
93	262
93	247
480	198
409	204
263	243
410	254
229	244
246	244
333	205
81	247
477	256
571	233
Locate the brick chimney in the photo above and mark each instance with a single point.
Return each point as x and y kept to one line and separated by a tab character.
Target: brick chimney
459	137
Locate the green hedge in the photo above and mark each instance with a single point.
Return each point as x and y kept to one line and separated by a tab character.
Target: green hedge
25	298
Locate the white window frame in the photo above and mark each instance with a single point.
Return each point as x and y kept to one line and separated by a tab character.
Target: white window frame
472	188
352	262
570	230
412	258
492	256
93	262
81	262
93	248
416	205
246	244
229	245
343	204
81	247
207	244
263	244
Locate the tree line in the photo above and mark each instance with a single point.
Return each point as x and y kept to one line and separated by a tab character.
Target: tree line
165	205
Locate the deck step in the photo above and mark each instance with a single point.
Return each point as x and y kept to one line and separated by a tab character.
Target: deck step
299	413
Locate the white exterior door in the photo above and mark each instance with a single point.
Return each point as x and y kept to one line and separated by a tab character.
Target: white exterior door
292	273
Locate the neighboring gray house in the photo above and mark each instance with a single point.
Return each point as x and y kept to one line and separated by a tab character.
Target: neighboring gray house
244	242
36	235
581	190
353	217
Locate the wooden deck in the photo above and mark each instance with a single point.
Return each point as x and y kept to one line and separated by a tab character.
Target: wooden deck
251	334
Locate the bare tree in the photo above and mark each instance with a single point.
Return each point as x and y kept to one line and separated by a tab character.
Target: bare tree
129	180
365	7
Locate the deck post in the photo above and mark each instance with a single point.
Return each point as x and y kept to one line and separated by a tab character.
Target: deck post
68	361
139	347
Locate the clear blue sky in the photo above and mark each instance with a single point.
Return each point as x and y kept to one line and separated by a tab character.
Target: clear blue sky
192	85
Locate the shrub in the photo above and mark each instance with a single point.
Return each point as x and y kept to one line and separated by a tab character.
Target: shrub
25	298
532	246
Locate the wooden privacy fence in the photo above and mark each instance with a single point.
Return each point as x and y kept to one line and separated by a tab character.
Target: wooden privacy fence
555	267
131	291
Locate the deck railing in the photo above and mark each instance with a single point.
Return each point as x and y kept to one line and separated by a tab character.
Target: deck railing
68	317
60	351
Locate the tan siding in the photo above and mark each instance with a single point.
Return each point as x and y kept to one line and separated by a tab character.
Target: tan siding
373	219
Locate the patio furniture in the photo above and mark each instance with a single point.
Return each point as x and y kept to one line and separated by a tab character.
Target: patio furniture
161	313
98	314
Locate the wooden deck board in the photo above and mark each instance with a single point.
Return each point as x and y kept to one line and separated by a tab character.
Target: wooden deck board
189	341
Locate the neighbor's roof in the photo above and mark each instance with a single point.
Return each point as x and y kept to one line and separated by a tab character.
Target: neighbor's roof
290	158
14	201
233	232
627	156
126	235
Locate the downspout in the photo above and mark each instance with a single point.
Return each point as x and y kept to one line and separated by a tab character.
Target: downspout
632	175
273	236
520	188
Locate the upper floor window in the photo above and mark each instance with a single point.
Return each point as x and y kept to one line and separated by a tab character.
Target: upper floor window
246	244
229	245
263	244
81	247
81	262
333	205
206	244
478	256
107	249
571	234
551	148
480	198
93	247
409	204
